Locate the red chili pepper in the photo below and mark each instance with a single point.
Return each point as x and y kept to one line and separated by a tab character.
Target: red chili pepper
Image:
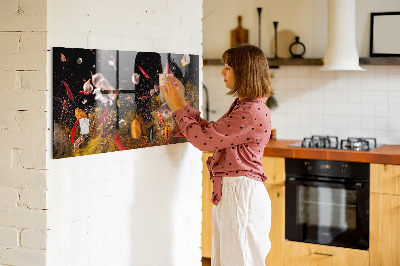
144	72
69	92
160	118
118	141
72	138
84	92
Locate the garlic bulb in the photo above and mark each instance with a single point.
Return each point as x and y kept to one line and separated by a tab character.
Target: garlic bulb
87	86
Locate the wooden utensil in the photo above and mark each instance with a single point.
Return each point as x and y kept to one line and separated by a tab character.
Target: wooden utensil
239	35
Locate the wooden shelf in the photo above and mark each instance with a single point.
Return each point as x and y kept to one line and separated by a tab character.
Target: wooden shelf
274	63
380	61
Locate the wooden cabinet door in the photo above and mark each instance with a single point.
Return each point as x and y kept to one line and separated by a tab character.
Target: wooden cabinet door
274	168
206	226
277	233
384	236
305	254
385	178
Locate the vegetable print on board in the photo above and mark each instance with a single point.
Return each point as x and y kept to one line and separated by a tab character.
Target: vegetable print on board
108	100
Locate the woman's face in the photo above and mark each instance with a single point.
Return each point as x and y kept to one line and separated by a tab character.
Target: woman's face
229	76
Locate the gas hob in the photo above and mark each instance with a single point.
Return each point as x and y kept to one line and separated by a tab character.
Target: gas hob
332	142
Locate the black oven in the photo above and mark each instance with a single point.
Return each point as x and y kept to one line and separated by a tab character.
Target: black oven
327	202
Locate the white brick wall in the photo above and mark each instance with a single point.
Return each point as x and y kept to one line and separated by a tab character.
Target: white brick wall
34	239
22	132
108	209
136	207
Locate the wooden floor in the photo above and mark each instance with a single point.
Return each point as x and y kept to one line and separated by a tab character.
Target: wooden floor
206	261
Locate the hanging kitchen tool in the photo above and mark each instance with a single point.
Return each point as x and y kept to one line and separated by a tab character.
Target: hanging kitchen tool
239	35
276	38
297	49
259	9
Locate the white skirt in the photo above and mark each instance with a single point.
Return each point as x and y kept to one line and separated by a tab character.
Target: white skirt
241	223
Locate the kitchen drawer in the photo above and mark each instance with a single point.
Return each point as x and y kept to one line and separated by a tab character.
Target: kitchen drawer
305	254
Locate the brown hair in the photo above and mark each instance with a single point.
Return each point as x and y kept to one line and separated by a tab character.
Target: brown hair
250	66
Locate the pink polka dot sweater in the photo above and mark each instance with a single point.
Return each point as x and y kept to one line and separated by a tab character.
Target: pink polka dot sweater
238	139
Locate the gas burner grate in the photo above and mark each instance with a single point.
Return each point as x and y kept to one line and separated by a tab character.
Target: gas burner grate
332	142
358	144
327	142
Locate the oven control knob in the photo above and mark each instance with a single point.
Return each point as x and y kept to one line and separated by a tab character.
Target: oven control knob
308	166
343	168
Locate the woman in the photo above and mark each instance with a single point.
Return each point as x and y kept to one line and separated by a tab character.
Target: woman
242	211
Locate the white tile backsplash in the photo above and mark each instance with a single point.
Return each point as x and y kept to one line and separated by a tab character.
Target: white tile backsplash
394	123
380	71
381	110
381	122
394	97
329	109
381	97
292	82
368	123
381	84
367	96
342	109
393	71
382	136
368	110
394	82
343	103
394	137
394	110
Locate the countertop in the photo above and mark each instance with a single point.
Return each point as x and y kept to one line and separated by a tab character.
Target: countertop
388	154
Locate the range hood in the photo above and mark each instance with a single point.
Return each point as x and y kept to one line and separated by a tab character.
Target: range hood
341	51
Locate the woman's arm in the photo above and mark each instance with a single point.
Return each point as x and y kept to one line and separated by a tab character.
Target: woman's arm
174	94
236	129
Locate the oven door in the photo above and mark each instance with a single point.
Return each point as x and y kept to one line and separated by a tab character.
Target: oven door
327	213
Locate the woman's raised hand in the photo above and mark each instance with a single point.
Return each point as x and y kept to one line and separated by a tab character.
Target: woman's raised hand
174	93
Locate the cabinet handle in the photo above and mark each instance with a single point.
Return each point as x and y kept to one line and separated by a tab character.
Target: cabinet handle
324	254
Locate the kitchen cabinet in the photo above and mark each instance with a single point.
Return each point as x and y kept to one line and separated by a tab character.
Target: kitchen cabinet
385	214
384	248
274	168
305	254
385	178
277	233
206	225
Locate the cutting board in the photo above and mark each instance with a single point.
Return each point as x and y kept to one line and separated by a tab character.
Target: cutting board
239	35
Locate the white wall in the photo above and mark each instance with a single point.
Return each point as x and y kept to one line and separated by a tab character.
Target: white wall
135	207
23	132
311	102
304	18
